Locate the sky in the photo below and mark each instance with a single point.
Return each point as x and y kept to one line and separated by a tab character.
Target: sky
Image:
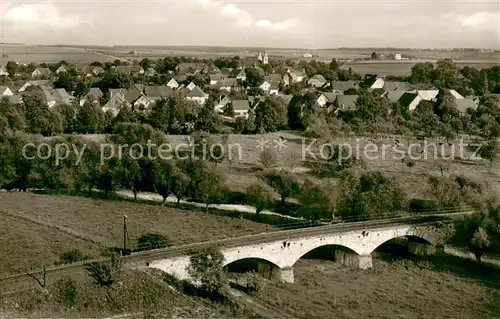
255	23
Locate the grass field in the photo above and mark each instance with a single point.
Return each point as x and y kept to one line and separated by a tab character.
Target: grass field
449	287
36	228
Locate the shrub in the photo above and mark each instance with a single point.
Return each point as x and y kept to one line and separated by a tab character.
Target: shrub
152	241
65	291
254	283
104	273
71	256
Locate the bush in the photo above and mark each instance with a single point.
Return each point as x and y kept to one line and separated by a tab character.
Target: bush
206	269
152	241
104	273
254	283
422	205
71	256
65	291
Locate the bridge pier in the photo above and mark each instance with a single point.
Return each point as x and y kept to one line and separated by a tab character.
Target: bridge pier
284	275
353	260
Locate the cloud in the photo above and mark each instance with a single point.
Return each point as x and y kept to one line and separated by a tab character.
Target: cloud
480	21
41	15
243	18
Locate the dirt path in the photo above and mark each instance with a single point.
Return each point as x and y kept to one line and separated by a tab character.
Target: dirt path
265	311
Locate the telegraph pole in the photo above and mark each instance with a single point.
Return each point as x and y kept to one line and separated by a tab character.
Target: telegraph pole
124	233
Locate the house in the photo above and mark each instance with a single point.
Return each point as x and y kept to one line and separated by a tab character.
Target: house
286	98
134	93
150	72
14	99
189	68
410	100
226	72
464	104
116	103
191	86
55	97
5	91
274	89
456	95
3	71
395	95
133	70
239	74
317	81
143	102
229	84
397	56
428	95
216	78
93	96
373	82
173	84
273	78
219	107
342	86
327	98
91	70
196	94
293	77
61	68
346	102
157	92
254	100
395	85
265	86
40	83
241	108
41	72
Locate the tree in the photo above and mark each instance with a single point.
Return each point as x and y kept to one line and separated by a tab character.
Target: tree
374	56
253	77
270	115
38	117
87	119
316	201
425	116
259	196
268	158
206	269
163	179
178	183
12	68
284	183
65	81
479	232
489	151
369	195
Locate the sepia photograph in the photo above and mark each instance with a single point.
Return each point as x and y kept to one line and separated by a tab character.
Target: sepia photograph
237	159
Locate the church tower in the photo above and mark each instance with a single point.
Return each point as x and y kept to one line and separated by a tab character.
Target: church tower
265	59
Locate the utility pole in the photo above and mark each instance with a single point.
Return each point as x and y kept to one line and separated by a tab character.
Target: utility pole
124	233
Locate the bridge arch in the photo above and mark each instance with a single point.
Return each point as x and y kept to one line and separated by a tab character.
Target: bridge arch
326	252
265	268
412	240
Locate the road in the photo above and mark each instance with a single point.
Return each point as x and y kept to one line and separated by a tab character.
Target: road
21	282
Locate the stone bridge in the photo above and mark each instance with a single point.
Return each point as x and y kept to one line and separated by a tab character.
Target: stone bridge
353	245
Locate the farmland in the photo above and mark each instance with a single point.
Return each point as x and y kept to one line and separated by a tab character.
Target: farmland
50	54
37	228
81	54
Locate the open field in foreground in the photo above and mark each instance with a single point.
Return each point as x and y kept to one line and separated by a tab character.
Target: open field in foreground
437	288
135	295
36	228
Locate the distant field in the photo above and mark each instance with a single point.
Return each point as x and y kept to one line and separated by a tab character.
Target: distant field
404	67
31	226
48	54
